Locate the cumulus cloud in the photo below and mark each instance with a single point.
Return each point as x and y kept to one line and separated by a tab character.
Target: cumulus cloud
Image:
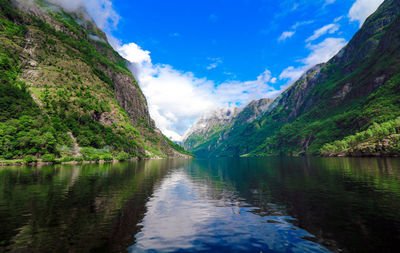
240	93
361	9
176	99
139	58
331	29
100	10
323	51
291	73
320	53
286	35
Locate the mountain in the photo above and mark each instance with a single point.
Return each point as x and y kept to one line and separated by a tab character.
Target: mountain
210	130
65	91
357	88
207	125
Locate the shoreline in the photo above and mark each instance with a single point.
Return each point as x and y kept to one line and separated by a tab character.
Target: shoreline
5	163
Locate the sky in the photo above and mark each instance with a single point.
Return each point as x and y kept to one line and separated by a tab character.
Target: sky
192	56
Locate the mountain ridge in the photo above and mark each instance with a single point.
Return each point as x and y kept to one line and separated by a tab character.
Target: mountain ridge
354	89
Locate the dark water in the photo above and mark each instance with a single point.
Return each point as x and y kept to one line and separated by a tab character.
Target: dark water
225	205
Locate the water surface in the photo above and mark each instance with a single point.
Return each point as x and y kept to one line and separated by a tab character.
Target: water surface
222	205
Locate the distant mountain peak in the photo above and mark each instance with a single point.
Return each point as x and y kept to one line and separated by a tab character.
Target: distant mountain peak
215	118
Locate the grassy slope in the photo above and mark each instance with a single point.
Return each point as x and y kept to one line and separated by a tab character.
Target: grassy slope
196	140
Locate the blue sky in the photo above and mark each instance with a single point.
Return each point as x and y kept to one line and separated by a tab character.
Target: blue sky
191	57
241	36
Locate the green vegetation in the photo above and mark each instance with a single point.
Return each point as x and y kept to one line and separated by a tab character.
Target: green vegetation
48	158
30	159
194	141
177	147
345	96
378	139
59	92
92	154
23	129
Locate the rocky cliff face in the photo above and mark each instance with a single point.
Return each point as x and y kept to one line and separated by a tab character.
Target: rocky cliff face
253	110
79	84
130	97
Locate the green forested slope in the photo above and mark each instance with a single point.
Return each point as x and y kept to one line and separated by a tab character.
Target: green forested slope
378	140
206	138
359	86
63	88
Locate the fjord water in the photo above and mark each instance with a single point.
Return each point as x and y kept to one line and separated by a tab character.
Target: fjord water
223	205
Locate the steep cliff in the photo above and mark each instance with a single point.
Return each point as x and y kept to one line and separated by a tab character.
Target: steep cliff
357	87
65	91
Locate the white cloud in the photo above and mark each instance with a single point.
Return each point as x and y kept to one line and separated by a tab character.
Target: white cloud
214	63
338	19
331	29
236	92
302	23
176	99
139	58
320	53
71	5
286	35
361	9
295	6
291	73
100	10
324	51
329	2
212	66
135	54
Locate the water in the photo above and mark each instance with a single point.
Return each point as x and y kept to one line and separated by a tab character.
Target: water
222	205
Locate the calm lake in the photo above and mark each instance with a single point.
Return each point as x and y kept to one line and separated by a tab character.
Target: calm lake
223	205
